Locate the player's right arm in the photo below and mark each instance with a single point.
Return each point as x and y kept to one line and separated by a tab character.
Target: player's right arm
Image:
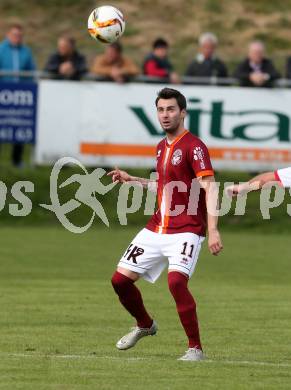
123	177
211	190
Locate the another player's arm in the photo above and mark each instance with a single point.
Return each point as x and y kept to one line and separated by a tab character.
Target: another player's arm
211	189
254	184
123	177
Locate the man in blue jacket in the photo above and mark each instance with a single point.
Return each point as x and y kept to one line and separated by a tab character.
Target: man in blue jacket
15	56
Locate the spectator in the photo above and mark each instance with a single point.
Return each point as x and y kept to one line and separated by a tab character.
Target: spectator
113	65
157	64
16	57
288	68
256	70
67	63
206	63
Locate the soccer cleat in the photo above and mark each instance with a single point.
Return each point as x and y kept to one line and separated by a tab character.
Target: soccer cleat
192	354
130	339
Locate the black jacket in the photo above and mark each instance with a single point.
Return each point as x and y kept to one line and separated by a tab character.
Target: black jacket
244	70
288	68
77	59
207	68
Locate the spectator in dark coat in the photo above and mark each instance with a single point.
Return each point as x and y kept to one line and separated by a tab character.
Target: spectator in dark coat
288	68
206	63
157	63
67	62
256	70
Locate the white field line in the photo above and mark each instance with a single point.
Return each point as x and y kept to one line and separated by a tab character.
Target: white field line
124	358
249	363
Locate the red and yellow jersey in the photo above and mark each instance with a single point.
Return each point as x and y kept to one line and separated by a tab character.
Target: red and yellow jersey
178	164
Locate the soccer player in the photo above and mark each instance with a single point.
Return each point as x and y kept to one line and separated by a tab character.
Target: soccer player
168	239
283	176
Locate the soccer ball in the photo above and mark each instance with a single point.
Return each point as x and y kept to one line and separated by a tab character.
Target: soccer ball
106	24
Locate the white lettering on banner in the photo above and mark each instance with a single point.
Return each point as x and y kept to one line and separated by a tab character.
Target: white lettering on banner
17	98
16	112
244	129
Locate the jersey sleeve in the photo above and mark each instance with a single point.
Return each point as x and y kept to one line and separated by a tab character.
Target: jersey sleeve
284	177
200	159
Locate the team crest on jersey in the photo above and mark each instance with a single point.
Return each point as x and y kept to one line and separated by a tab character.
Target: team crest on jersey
177	157
159	153
199	155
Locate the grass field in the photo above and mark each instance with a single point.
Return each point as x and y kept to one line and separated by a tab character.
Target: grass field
60	318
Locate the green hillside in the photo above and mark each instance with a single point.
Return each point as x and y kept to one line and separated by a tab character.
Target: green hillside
235	22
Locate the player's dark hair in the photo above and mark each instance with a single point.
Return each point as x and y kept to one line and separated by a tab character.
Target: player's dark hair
160	42
170	93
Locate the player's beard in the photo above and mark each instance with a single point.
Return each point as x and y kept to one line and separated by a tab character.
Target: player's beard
173	128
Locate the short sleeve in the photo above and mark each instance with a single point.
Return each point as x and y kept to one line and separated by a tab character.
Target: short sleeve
284	177
200	159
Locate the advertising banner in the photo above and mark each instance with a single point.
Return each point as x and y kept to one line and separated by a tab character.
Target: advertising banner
18	106
106	124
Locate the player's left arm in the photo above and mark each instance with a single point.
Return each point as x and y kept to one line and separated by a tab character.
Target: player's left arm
211	190
202	167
